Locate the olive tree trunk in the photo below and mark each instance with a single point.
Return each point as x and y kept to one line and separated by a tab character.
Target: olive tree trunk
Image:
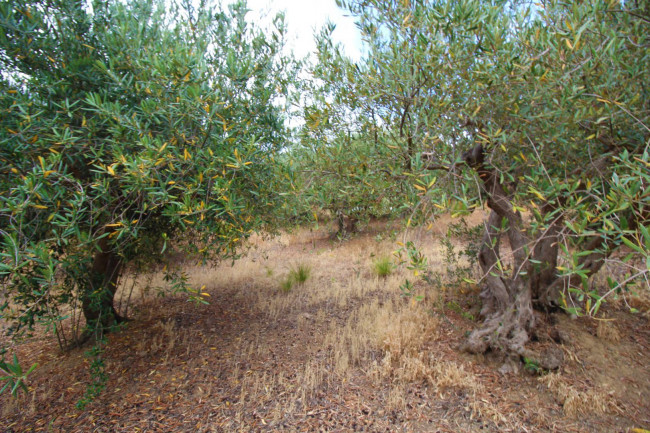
509	297
98	295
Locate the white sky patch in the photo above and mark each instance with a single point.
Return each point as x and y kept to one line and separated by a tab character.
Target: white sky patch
306	17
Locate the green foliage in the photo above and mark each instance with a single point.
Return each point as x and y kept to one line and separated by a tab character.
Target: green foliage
125	124
13	376
347	160
286	285
415	261
383	267
408	291
300	274
453	306
98	376
345	176
297	275
533	366
556	94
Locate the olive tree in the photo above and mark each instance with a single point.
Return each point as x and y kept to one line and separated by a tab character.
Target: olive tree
126	126
350	162
542	109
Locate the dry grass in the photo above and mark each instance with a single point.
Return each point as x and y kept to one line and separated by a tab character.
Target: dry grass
576	402
381	334
608	331
344	340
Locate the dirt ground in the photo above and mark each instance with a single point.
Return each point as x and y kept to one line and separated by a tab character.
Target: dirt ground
342	352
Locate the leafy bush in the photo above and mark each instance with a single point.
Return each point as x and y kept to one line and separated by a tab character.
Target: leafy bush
134	130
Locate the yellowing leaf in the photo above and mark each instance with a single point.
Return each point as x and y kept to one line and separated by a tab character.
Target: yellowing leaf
186	155
110	170
421	188
537	193
39	206
568	44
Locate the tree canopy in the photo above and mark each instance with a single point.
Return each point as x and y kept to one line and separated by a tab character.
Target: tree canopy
126	126
538	112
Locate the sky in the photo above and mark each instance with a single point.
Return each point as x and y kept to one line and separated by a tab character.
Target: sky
304	18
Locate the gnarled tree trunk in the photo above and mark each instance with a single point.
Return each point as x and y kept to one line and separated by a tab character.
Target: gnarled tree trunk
509	297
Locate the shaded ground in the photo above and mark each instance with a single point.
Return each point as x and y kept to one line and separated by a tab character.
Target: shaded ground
343	352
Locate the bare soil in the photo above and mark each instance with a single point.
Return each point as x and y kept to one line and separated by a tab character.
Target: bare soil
342	352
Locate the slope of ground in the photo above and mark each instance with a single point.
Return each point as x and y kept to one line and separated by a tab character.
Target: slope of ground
342	352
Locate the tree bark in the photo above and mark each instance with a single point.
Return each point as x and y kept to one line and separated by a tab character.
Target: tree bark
509	297
346	224
508	307
97	297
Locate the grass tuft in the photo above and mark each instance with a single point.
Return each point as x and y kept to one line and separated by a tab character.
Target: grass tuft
297	275
287	284
383	267
300	273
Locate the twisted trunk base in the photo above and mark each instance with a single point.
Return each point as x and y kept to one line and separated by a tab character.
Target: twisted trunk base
509	296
